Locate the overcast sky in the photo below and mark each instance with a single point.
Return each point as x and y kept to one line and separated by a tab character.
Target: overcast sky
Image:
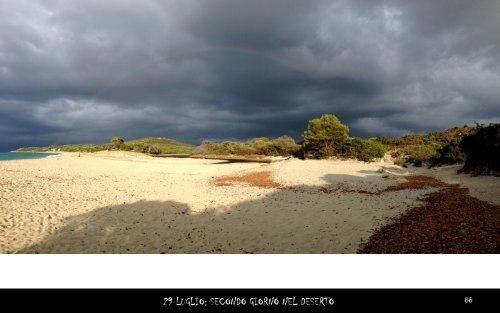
83	71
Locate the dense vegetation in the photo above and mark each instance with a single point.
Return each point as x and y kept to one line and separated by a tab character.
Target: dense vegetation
436	148
478	146
482	151
153	145
117	142
363	149
68	148
326	137
262	146
159	145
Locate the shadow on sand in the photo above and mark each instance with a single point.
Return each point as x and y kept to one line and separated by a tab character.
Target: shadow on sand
307	221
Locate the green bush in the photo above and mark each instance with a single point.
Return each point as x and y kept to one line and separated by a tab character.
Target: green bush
363	149
285	146
482	150
326	152
83	148
400	162
223	148
203	148
117	142
450	153
153	150
209	147
263	146
371	149
421	154
240	148
165	145
232	147
325	136
282	146
435	139
125	147
383	140
139	148
434	148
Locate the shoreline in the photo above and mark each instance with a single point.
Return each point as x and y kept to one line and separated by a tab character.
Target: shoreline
17	156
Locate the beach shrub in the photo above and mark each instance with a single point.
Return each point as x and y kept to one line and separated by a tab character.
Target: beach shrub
240	148
383	140
325	136
285	146
408	140
363	149
420	154
208	147
232	147
125	147
435	148
263	146
482	150
164	145
370	150
399	162
450	153
116	142
82	148
203	147
139	148
434	139
223	148
282	146
153	150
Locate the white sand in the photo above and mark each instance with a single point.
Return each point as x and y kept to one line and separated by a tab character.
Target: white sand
114	202
486	188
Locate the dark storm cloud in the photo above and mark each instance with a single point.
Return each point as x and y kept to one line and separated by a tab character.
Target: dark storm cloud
82	71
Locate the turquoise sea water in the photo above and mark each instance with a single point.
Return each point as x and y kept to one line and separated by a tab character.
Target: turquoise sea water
23	155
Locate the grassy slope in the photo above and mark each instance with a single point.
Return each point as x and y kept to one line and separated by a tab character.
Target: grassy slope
165	145
67	148
436	139
419	148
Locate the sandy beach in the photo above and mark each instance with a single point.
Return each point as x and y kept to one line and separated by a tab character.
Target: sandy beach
117	202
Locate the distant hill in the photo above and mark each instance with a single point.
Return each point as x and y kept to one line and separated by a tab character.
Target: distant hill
152	145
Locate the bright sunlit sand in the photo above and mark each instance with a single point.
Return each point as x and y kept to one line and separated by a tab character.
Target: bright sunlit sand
120	202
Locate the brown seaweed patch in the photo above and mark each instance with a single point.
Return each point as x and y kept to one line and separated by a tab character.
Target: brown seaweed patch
449	221
258	179
412	182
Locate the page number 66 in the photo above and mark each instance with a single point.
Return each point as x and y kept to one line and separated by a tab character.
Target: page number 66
468	300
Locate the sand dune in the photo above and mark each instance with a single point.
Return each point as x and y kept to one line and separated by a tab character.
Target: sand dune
113	202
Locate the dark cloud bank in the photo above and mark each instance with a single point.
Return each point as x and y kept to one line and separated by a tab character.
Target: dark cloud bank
82	71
